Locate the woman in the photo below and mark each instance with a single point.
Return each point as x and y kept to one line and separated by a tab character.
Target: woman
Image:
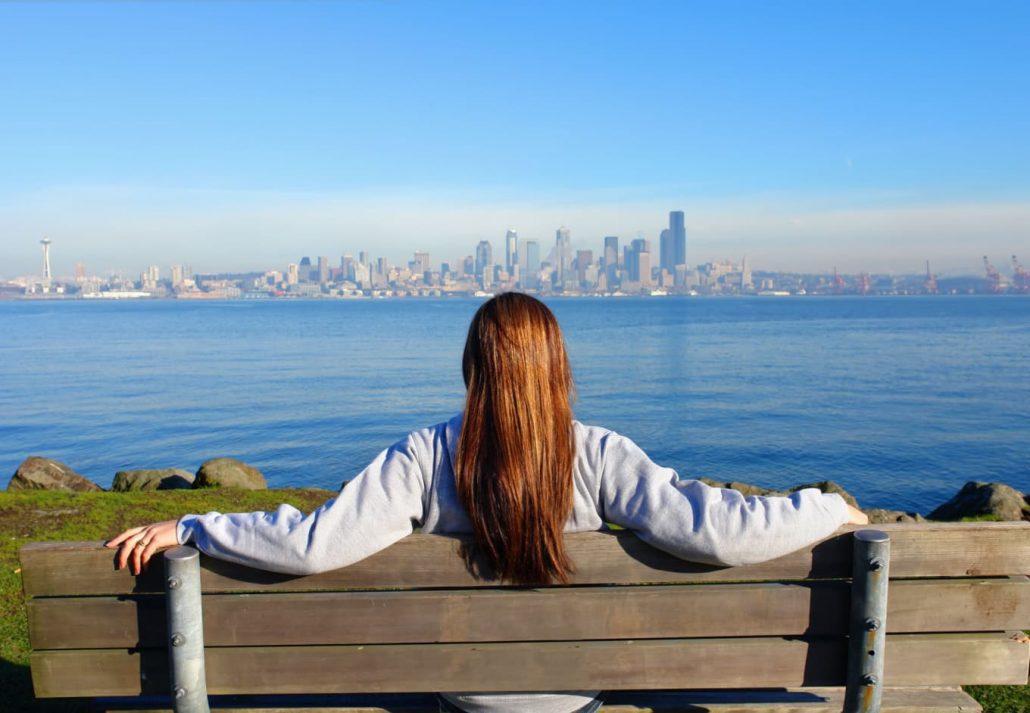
516	470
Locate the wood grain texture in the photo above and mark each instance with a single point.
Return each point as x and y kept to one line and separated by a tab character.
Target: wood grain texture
433	561
912	660
795	700
664	611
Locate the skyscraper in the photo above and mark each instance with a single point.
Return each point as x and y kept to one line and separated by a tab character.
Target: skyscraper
679	239
532	248
563	246
323	269
611	259
485	263
667	251
511	251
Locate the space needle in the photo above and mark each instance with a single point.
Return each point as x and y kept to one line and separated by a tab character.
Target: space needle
45	242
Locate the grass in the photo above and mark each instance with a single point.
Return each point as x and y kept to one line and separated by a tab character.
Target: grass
41	516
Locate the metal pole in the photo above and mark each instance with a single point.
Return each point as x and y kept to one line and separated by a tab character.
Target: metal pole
186	630
870	572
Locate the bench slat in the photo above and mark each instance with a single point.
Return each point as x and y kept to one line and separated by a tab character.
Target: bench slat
912	660
806	700
432	561
675	611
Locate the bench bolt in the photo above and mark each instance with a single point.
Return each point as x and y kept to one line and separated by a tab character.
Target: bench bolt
872	624
174	583
869	680
180	693
178	639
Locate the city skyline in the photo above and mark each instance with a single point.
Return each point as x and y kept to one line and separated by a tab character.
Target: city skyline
229	135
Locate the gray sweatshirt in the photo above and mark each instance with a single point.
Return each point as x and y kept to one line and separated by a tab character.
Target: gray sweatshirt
411	484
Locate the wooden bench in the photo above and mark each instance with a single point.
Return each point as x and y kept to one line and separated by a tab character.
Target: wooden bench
413	619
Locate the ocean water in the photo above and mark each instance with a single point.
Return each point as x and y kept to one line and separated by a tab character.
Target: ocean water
901	400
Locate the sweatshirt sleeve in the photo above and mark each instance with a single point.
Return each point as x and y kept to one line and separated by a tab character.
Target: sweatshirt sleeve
377	508
700	523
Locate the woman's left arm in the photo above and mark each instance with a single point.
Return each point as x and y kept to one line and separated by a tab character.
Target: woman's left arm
381	505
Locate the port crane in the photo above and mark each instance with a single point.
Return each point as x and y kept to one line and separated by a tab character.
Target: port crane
1020	276
863	283
993	276
838	282
930	286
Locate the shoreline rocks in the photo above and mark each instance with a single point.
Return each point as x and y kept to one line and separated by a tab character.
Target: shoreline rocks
229	473
39	473
152	479
974	501
985	500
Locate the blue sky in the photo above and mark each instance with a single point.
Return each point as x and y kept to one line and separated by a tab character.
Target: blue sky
239	135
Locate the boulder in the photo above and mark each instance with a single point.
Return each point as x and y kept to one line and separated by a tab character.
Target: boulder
745	489
153	479
229	473
984	500
828	486
879	516
38	473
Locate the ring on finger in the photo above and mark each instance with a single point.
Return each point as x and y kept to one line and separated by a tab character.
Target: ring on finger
141	543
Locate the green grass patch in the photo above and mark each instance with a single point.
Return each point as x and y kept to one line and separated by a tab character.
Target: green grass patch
40	516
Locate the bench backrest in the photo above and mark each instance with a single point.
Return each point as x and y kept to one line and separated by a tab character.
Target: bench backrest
414	618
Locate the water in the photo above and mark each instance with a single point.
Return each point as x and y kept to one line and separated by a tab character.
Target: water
901	400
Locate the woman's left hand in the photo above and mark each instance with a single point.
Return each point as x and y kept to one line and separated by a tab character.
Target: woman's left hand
137	545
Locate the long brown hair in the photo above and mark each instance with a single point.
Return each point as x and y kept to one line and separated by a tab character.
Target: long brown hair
514	457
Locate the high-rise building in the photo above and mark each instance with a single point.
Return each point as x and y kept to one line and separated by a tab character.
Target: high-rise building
323	269
563	248
292	274
511	251
484	256
584	260
634	267
666	251
177	275
304	270
485	263
644	268
420	265
679	238
611	259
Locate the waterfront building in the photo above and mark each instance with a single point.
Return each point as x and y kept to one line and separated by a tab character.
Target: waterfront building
177	275
292	274
323	270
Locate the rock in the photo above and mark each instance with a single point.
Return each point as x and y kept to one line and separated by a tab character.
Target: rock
828	486
229	473
985	500
745	489
37	473
153	479
879	516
